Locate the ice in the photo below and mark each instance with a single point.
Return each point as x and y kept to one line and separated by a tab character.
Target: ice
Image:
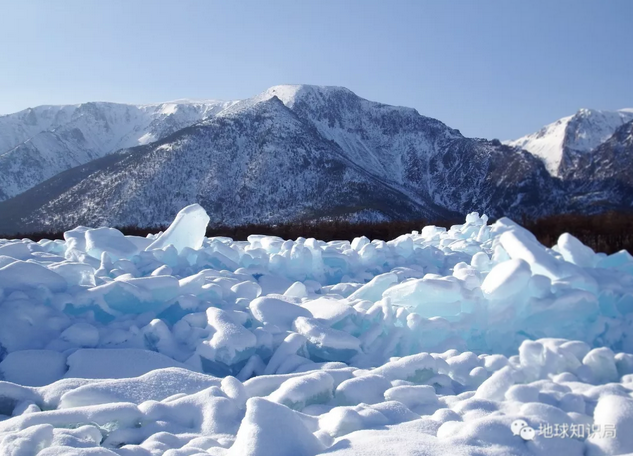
430	296
133	296
373	290
434	342
158	288
187	230
520	244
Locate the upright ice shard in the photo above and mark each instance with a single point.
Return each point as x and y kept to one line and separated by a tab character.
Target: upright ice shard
187	230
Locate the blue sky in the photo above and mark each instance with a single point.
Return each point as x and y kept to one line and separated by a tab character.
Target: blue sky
496	69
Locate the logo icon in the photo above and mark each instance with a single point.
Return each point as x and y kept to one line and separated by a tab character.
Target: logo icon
521	428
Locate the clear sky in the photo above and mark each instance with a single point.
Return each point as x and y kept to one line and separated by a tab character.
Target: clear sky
491	68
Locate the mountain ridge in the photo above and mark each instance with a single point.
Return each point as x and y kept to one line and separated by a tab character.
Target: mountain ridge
147	182
37	143
579	133
299	152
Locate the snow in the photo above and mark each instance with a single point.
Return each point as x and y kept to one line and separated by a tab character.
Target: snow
506	279
434	343
81	334
299	392
412	395
33	367
108	240
56	138
156	385
325	343
547	143
368	389
24	276
574	251
582	132
617	412
270	428
278	312
230	342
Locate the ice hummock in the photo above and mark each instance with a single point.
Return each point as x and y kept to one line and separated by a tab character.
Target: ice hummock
436	341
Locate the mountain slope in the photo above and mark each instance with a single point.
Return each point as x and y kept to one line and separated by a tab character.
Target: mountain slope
314	152
36	144
561	141
420	155
603	179
261	164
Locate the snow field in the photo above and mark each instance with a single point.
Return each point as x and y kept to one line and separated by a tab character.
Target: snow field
436	341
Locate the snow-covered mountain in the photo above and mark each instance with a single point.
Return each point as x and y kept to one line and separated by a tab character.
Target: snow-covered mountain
295	152
558	142
38	143
603	178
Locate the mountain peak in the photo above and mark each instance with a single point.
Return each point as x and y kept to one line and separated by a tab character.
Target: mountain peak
579	133
291	93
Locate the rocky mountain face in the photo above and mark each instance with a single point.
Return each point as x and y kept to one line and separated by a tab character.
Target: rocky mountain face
603	179
36	144
591	154
299	152
559	144
259	164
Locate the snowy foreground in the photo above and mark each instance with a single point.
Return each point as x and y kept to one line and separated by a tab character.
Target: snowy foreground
472	341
